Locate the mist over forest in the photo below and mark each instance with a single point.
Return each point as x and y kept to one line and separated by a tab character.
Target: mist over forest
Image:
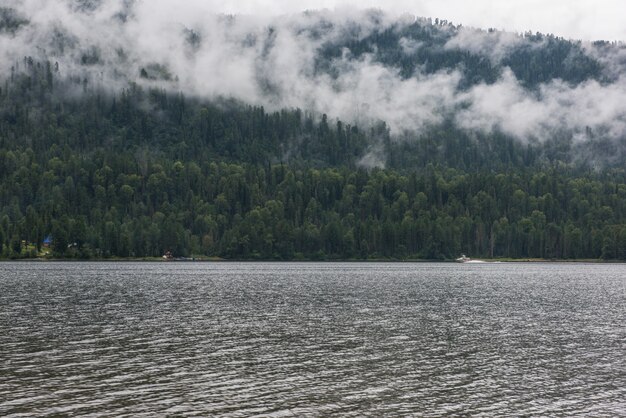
363	66
322	134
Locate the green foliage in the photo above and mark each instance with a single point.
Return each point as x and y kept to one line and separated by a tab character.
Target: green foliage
144	172
279	212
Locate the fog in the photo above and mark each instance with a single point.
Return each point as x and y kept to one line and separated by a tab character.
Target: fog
270	59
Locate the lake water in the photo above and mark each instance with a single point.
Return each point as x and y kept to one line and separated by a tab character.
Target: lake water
312	339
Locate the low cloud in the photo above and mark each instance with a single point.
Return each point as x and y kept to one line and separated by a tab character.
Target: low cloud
493	44
273	61
508	107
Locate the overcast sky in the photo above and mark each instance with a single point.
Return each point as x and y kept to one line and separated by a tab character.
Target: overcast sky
578	19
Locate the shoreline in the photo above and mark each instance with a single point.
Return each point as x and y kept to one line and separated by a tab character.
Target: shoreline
222	260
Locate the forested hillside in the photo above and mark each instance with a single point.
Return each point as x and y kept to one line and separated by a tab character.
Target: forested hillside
141	171
320	135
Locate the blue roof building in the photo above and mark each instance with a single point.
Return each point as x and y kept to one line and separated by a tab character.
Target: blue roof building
47	241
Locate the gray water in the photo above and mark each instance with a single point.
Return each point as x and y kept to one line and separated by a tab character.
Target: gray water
312	339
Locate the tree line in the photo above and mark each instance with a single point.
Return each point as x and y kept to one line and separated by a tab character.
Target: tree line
108	205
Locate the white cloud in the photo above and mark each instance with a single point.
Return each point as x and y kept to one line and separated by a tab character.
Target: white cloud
505	105
577	19
494	45
270	60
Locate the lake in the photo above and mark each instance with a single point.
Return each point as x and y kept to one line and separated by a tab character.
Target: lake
312	339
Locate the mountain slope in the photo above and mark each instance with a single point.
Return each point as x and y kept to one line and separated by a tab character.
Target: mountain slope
311	136
144	172
365	67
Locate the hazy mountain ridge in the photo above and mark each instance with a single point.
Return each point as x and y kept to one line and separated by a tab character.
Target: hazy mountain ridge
365	67
429	47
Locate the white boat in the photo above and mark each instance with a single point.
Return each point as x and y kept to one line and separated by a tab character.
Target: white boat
465	259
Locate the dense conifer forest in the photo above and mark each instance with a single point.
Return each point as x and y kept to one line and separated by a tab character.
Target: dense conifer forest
142	171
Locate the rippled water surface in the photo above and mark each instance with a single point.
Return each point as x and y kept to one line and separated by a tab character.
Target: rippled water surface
298	339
